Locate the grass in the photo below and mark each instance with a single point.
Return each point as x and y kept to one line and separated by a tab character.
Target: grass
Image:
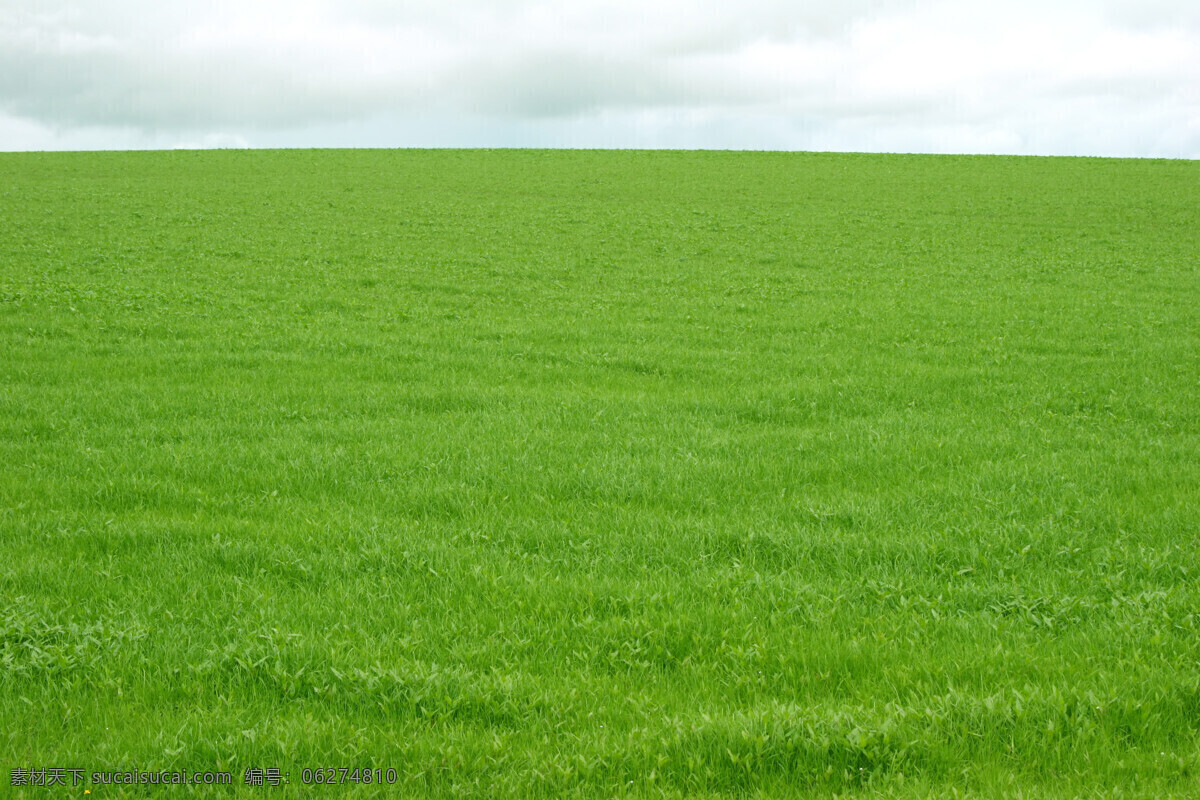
549	474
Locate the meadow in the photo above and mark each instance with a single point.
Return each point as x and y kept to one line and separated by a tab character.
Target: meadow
602	474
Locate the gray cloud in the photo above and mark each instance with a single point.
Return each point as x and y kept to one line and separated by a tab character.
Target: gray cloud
869	74
559	83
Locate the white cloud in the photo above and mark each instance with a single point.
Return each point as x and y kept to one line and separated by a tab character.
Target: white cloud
1111	77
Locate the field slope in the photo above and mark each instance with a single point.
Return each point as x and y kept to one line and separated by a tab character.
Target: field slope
531	473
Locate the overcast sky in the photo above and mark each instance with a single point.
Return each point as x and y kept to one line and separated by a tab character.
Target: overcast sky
1093	77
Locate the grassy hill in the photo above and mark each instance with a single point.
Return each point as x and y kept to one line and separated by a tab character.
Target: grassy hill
553	473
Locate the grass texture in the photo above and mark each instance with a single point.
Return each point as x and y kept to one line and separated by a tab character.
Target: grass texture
603	474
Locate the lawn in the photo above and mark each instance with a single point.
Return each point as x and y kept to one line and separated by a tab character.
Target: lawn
577	473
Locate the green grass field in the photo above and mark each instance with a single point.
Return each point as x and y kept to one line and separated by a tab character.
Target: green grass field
566	473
